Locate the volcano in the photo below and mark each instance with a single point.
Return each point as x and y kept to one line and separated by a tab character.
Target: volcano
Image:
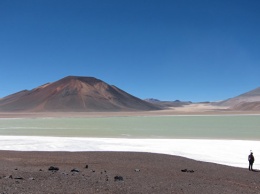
74	94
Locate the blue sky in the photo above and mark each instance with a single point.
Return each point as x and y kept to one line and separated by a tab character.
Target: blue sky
197	50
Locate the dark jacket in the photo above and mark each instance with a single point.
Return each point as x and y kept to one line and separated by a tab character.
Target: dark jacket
251	158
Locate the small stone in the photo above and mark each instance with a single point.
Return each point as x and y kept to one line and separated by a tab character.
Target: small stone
74	170
137	170
18	177
184	170
118	178
52	168
86	166
31	178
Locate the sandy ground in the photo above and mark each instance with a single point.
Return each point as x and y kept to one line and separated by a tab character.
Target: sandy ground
117	172
193	109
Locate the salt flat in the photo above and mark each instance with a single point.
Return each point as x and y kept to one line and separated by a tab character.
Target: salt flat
227	152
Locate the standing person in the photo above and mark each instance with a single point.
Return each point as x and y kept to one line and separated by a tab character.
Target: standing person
251	160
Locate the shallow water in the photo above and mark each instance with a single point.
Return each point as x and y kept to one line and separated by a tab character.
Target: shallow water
239	127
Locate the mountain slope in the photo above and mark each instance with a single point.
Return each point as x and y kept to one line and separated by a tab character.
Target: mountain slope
74	93
247	101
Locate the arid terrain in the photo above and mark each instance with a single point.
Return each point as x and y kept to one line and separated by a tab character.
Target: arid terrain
115	172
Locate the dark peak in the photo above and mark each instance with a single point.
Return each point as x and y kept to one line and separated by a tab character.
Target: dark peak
89	80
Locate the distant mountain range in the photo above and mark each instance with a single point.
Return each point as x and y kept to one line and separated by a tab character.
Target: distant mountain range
75	93
167	104
88	94
247	101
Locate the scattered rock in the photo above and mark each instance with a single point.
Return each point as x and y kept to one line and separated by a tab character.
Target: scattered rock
31	178
118	178
52	168
86	166
186	170
93	171
18	177
74	170
137	170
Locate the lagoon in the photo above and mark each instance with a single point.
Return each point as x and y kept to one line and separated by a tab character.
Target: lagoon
222	139
235	127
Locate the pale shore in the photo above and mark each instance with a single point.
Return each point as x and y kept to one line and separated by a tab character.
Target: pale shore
228	152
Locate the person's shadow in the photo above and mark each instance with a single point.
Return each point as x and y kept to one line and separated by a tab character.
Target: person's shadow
256	170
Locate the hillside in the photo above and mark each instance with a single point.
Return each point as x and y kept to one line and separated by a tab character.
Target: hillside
247	101
74	93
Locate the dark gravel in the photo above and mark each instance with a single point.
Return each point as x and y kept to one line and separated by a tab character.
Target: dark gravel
116	172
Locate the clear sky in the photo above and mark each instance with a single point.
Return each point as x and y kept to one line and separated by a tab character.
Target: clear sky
197	50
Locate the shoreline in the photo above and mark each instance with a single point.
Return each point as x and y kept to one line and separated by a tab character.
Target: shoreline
180	111
227	152
43	116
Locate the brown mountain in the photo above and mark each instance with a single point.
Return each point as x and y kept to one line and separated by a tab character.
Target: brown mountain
74	93
247	101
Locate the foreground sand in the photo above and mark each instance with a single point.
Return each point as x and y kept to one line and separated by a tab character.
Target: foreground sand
27	172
